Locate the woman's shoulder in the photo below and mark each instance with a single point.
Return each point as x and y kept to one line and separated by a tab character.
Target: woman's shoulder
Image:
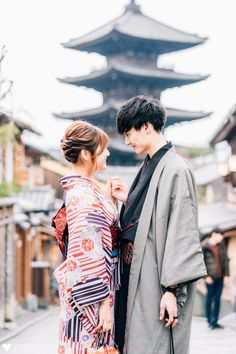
81	191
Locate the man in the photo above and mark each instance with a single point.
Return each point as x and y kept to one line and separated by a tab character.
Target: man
217	264
160	248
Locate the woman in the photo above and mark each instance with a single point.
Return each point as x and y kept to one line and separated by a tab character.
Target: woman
87	278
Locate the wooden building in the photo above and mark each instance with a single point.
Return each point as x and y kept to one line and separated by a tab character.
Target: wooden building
7	256
227	133
13	167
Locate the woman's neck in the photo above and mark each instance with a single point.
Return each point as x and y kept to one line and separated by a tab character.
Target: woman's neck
82	171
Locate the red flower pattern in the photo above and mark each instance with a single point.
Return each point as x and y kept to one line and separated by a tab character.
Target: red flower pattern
71	265
88	244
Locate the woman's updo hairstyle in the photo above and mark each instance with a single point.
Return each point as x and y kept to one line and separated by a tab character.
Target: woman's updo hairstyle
83	135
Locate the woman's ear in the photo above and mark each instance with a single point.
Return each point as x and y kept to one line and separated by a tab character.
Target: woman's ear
85	155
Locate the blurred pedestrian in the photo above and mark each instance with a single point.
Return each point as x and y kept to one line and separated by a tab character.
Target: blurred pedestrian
217	264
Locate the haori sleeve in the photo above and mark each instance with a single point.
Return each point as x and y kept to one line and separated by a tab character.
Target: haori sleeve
88	265
183	259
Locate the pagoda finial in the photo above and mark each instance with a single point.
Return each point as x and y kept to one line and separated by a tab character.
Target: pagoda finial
133	6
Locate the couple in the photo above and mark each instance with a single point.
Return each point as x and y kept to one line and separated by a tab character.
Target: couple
136	289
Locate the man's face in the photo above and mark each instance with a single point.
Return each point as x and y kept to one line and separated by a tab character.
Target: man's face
137	139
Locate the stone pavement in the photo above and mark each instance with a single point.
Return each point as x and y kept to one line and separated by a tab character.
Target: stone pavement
217	341
41	337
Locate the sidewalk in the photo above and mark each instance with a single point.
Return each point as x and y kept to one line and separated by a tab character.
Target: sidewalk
42	332
217	341
24	320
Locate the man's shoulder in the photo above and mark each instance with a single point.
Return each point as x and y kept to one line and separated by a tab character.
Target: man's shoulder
176	164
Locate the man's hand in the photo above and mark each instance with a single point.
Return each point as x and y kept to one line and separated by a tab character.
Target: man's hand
169	304
227	282
119	189
209	280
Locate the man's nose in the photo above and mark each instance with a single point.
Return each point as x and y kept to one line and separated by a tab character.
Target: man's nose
127	142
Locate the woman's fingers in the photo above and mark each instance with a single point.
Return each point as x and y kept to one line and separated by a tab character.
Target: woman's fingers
116	183
99	326
107	325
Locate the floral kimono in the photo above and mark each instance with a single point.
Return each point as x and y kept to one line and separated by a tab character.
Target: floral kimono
89	273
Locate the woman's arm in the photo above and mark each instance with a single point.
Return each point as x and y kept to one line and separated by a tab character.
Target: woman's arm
89	249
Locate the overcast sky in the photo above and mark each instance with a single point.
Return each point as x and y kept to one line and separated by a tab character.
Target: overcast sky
33	31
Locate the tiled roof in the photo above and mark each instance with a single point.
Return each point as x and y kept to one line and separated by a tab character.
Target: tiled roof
136	25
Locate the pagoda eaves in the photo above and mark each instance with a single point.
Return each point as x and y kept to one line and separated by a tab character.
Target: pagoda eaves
153	78
105	115
129	31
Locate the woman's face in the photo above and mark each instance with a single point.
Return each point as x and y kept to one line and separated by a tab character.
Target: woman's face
101	160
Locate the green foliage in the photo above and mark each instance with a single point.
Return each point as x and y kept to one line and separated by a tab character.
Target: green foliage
7	131
196	152
8	189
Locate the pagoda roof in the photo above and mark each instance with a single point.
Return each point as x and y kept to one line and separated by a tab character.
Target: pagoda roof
120	154
133	28
105	114
116	69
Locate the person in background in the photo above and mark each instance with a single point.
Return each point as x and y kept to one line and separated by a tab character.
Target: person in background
217	264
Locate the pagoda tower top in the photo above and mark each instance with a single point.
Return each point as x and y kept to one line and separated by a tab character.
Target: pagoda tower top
136	32
132	7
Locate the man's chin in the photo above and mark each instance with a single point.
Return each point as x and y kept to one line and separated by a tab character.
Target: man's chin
138	151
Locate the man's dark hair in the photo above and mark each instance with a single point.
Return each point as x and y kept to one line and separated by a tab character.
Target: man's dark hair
138	111
216	229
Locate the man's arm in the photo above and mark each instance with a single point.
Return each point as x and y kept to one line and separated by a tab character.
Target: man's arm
183	259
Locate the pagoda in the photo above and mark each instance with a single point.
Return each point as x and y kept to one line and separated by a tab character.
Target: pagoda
132	44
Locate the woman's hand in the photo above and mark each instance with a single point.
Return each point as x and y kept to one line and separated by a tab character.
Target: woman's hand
119	189
105	316
109	191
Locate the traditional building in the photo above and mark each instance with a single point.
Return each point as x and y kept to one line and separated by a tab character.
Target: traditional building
29	250
13	167
227	132
132	44
223	213
7	273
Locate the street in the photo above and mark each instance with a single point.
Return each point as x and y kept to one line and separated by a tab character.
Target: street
41	338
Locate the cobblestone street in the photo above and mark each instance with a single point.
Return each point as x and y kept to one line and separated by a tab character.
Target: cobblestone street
41	338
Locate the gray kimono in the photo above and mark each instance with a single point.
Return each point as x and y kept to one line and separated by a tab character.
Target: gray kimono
167	251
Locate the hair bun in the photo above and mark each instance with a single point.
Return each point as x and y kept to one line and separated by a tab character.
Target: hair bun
82	135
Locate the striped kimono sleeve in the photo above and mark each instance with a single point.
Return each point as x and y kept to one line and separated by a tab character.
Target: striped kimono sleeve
89	249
